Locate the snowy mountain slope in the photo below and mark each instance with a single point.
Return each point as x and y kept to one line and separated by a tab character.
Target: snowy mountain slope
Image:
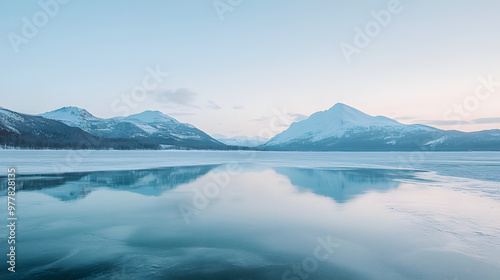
149	126
71	116
246	141
21	130
336	122
341	128
345	128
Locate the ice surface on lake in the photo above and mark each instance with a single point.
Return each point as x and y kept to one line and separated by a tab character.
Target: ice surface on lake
388	215
475	165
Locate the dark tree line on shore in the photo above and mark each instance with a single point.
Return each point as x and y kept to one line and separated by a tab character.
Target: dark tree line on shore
85	141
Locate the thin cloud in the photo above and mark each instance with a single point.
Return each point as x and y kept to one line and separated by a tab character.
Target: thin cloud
486	120
404	118
238	107
459	122
441	122
180	96
213	105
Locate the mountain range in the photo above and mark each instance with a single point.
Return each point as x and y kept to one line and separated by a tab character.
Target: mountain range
340	128
152	127
343	128
72	127
247	141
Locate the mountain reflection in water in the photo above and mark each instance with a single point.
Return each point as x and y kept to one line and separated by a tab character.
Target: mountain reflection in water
261	223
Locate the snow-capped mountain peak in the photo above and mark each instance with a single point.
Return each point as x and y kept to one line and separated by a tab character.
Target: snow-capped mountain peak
151	125
71	110
72	116
151	116
334	122
347	115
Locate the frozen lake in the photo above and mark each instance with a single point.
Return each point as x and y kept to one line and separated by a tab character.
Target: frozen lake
475	165
255	215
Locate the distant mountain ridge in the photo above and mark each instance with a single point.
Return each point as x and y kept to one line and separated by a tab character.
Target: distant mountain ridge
340	128
247	141
343	128
27	131
75	128
149	126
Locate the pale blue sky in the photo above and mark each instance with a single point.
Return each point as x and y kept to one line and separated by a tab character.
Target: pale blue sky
229	76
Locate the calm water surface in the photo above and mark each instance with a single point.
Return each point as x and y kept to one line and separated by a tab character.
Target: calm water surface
256	221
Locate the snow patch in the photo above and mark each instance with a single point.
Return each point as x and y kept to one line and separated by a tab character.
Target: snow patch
147	128
436	141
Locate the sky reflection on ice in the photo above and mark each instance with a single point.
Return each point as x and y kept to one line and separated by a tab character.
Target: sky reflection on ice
388	224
